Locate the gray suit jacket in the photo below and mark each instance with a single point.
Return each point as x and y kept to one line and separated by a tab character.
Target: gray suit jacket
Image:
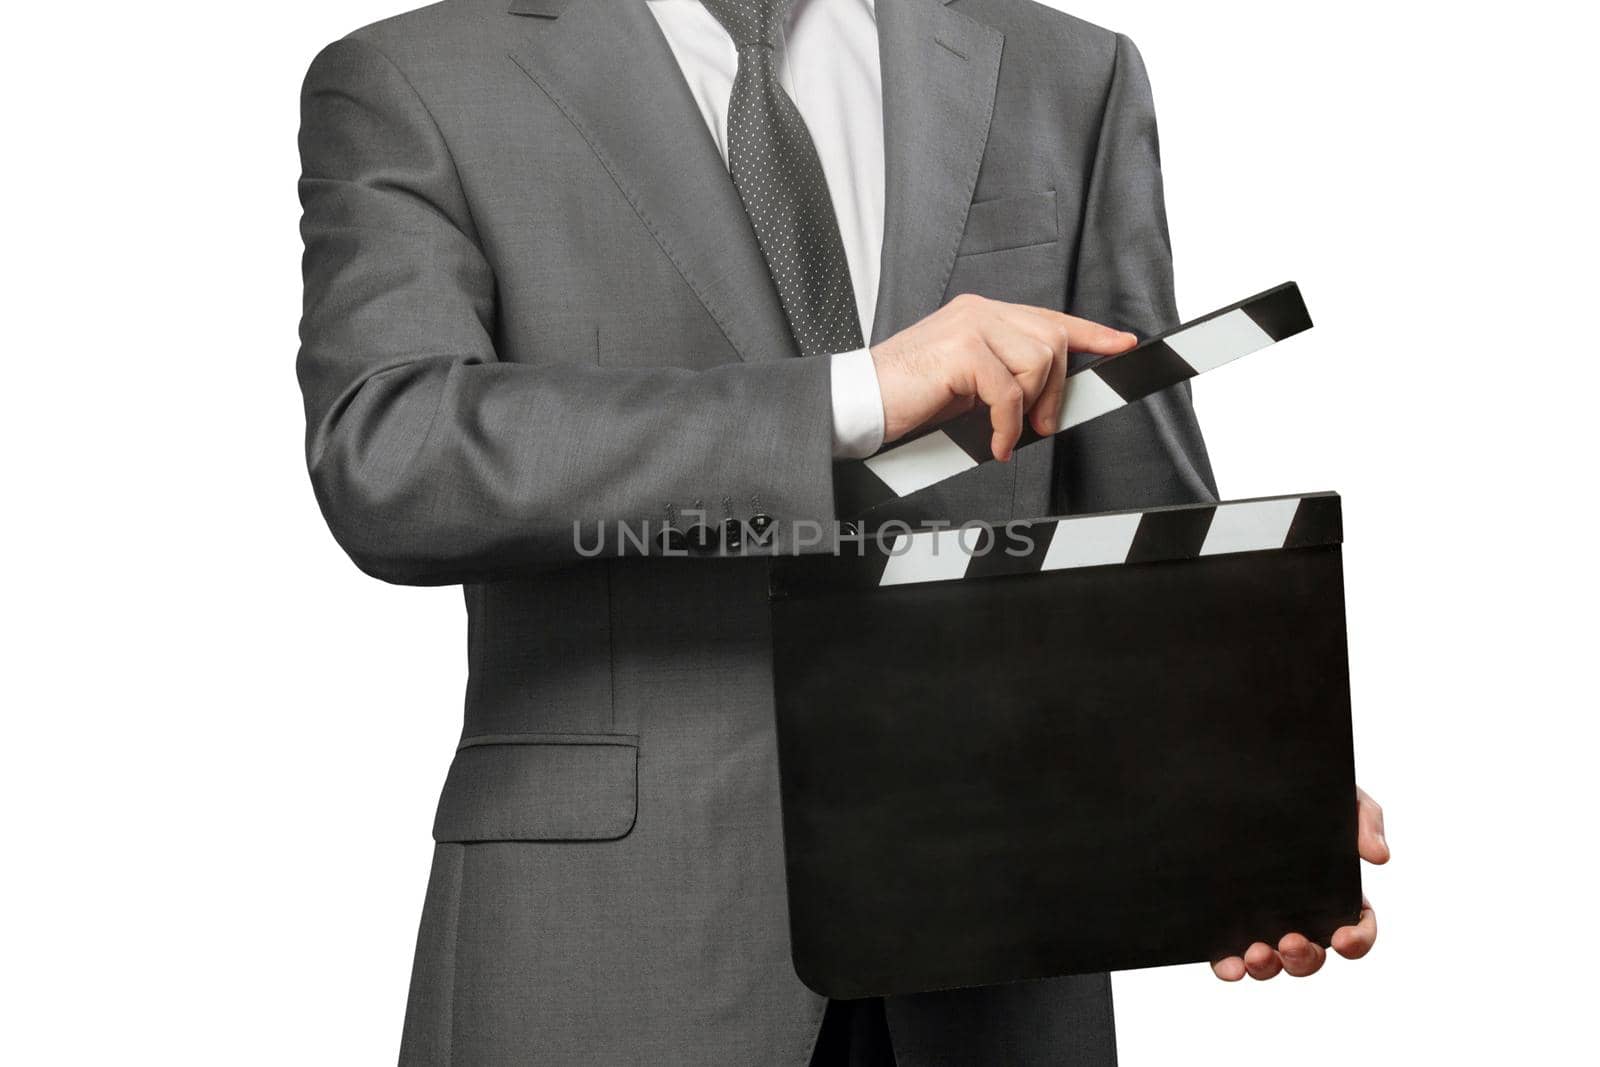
532	297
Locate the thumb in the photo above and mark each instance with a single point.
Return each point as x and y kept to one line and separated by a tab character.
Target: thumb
1370	842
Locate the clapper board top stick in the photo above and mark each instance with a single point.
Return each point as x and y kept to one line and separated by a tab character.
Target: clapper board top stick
1069	744
908	466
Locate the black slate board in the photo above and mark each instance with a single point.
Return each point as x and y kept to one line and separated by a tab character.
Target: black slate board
1003	778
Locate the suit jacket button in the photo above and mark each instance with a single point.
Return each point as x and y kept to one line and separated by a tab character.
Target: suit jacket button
673	540
760	527
702	538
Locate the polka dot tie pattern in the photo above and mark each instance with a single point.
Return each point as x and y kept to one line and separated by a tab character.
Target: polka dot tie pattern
775	167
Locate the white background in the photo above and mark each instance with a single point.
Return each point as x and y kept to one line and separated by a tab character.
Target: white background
223	744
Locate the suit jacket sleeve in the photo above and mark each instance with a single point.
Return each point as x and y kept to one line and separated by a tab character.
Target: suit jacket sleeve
433	461
1150	453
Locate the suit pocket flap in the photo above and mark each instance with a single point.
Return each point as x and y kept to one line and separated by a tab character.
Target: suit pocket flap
1009	222
541	787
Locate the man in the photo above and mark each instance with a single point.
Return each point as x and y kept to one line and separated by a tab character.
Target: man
664	261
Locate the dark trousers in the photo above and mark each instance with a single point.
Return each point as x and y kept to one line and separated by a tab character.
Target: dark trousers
855	1033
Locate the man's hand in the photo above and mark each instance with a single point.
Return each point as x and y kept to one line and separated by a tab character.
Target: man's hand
1299	956
1009	356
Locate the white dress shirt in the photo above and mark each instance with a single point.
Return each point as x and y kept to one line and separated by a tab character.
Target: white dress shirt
829	67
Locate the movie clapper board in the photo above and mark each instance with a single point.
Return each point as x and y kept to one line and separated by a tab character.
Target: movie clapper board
1066	745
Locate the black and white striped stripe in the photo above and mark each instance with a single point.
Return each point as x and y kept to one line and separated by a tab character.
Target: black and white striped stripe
1192	531
1097	389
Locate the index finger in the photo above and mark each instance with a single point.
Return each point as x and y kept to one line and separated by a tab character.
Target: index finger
1353	942
1083	335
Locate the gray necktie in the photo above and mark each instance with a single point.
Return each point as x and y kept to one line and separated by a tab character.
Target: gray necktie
779	178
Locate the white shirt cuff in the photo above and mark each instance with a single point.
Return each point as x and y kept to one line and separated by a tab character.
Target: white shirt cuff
857	405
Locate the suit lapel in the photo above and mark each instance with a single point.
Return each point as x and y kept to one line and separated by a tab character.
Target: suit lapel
940	69
605	64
